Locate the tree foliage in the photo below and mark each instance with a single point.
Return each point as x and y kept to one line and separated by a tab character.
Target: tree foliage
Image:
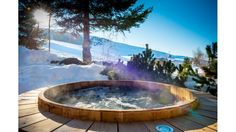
30	35
163	71
144	66
105	15
184	71
210	71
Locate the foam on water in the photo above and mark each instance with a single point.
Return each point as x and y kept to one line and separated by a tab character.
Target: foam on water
118	98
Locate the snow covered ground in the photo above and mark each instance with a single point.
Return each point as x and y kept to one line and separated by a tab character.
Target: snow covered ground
35	70
102	50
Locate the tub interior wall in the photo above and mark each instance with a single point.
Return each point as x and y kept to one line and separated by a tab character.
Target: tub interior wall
62	89
179	92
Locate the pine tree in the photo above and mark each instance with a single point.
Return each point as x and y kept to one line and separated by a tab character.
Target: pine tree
30	35
210	78
159	74
169	68
163	71
105	15
142	64
184	71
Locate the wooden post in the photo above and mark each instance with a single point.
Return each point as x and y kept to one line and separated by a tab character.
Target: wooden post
49	26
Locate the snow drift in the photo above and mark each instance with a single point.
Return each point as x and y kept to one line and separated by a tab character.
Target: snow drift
35	70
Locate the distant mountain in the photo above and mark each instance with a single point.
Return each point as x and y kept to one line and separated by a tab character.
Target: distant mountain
65	37
109	49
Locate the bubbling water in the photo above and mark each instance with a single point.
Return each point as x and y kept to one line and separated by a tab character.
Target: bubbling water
121	98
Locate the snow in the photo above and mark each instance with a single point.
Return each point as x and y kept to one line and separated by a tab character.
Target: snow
68	45
199	70
33	57
104	50
99	52
35	70
190	83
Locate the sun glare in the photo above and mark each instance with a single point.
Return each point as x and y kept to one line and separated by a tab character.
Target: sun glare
41	16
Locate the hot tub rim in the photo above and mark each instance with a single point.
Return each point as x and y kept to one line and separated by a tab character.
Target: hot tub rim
187	104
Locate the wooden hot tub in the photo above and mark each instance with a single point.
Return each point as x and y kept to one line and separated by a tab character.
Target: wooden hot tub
46	103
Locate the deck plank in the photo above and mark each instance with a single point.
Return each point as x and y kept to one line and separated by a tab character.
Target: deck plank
207	101
74	126
188	125
27	101
103	127
22	107
206	113
132	127
211	123
47	125
152	125
29	95
29	111
33	92
28	120
207	107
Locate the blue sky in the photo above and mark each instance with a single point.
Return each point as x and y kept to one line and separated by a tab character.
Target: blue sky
175	26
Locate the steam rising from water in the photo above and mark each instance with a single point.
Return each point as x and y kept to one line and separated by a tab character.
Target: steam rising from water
118	98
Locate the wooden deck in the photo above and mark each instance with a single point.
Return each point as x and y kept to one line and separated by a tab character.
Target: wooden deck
33	119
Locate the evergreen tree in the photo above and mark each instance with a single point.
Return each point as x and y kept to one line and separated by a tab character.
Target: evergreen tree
30	35
163	71
105	15
184	71
159	71
210	78
145	66
142	64
169	69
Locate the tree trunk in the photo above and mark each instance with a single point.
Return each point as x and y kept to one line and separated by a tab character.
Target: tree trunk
86	43
49	26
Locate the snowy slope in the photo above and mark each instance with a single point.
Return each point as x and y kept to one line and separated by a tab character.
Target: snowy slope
105	51
35	70
101	48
